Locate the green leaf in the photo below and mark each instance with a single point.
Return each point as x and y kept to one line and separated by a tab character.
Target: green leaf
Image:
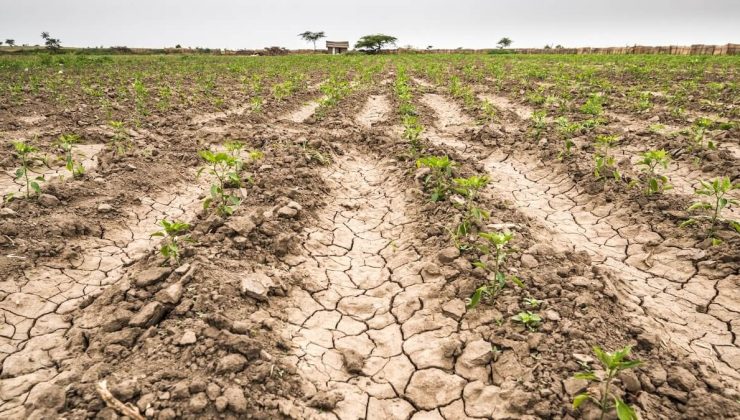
579	399
158	234
589	376
35	187
624	411
516	280
475	299
686	223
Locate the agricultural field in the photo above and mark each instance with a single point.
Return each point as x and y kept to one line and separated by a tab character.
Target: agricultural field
370	237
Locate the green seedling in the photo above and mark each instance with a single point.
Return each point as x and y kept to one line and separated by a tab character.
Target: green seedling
530	320
26	155
439	177
66	142
120	140
171	233
496	248
716	192
225	168
469	188
656	183
593	105
613	364
567	130
532	302
488	111
698	134
255	104
538	123
603	159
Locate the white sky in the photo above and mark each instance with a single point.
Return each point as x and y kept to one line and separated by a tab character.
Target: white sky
442	23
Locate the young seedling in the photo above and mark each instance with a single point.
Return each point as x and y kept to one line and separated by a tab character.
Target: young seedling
496	248
538	122
698	134
530	320
716	192
593	105
532	302
225	168
567	130
439	176
256	104
488	111
469	188
120	140
613	364
66	142
171	232
651	159
603	160
25	153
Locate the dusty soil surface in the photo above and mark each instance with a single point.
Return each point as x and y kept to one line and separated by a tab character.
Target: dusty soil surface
334	290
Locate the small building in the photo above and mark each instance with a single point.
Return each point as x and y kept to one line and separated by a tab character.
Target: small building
337	47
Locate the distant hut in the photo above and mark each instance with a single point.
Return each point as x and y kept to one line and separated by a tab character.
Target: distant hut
337	47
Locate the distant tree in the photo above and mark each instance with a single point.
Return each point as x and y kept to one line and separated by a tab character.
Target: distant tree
548	47
1	42
504	42
374	43
309	36
10	42
178	46
52	44
558	46
429	47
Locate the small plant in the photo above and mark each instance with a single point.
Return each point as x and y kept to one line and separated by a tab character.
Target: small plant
255	104
488	111
567	130
439	176
603	160
469	188
613	364
530	320
532	302
225	168
538	122
66	142
120	140
716	192
593	105
171	232
698	134
496	249
651	159
25	153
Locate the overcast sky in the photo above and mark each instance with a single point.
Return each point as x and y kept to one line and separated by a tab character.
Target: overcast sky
442	23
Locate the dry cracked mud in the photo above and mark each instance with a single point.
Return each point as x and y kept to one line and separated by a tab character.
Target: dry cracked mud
369	320
35	308
696	304
375	338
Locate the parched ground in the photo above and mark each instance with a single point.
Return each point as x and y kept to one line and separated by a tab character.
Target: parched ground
334	290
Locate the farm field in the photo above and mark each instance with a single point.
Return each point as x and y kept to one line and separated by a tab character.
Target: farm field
369	237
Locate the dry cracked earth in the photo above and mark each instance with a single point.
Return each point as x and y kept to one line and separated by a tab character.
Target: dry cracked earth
370	330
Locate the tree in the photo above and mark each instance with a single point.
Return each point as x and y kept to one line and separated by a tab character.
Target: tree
374	43
504	42
52	44
309	36
10	42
